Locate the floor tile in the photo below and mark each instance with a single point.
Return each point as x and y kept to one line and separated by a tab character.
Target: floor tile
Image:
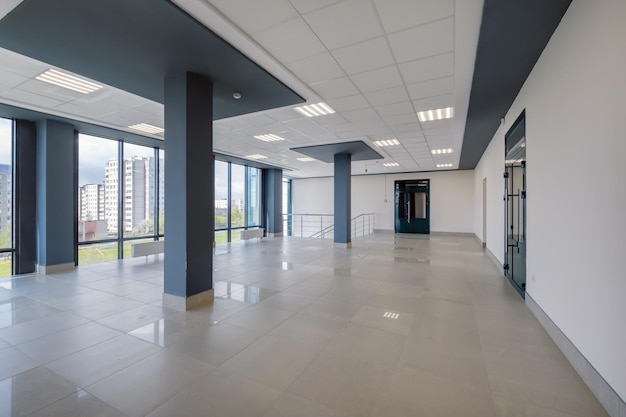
221	393
25	393
139	388
78	404
94	363
34	329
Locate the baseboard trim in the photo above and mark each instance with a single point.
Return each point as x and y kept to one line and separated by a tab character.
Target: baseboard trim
341	245
179	303
55	269
610	400
279	234
464	234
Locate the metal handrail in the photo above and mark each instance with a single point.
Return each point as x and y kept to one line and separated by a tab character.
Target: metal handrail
321	226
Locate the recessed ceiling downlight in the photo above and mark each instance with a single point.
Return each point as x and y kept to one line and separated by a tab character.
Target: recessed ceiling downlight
437	114
146	128
314	110
68	81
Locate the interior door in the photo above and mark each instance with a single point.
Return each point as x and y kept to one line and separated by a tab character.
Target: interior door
412	207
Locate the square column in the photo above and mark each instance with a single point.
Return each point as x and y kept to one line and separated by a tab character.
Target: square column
273	202
189	191
343	197
55	197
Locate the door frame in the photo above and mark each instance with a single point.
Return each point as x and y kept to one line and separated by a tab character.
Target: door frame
417	186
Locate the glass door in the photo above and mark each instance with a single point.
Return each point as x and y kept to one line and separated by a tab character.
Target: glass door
412	207
515	206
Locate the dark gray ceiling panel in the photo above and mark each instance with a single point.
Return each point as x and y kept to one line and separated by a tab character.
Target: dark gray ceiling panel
359	150
134	44
513	34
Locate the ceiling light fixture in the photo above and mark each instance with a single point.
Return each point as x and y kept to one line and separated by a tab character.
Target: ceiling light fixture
441	151
444	165
392	164
68	81
390	315
255	156
146	128
269	138
306	159
437	114
314	110
236	95
389	142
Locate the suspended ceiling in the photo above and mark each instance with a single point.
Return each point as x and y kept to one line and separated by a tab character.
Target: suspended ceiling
375	62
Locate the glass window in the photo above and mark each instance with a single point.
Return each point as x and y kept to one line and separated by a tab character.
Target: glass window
97	188
139	194
237	196
253	204
95	253
6	188
221	195
161	192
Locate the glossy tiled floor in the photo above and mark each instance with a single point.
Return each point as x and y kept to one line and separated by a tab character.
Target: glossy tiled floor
396	326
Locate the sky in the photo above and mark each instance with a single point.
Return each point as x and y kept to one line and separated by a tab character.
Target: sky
5	141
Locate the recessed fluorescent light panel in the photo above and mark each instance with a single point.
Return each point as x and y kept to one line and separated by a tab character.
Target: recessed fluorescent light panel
306	159
314	110
389	142
269	138
437	114
444	165
256	156
390	315
68	81
392	164
146	128
441	151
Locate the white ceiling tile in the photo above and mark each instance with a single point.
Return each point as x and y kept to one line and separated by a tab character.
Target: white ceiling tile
284	114
428	68
431	88
387	96
364	56
128	117
93	111
306	6
11	79
348	103
407	127
377	79
345	23
400	119
30	98
394	109
432	103
401	14
423	41
256	15
368	126
330	120
362	114
155	109
316	68
340	87
290	41
260	120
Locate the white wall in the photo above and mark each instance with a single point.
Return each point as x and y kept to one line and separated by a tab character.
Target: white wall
575	99
451	198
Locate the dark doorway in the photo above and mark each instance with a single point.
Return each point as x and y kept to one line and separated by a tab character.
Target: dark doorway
412	206
515	205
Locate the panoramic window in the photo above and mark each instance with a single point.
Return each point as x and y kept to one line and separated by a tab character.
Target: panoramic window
117	199
253	196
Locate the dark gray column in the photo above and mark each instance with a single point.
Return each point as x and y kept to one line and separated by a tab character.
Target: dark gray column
25	198
273	201
343	197
56	211
189	191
